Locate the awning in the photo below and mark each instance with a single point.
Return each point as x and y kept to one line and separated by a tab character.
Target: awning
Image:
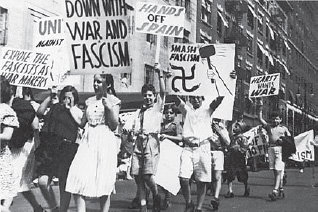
286	44
285	67
226	24
271	32
252	11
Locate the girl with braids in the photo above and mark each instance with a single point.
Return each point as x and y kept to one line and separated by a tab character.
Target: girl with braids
97	152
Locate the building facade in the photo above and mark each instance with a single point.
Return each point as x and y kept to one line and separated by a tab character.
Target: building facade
270	37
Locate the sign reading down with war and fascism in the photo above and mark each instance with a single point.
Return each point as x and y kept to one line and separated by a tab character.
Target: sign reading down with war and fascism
165	20
264	85
97	35
26	68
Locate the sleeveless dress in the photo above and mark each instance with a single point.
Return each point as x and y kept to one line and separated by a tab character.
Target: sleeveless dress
93	170
8	178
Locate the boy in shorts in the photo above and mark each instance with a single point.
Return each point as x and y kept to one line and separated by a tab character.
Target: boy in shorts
220	140
196	157
146	128
275	131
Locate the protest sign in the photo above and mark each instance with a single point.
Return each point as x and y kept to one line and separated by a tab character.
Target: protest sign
49	38
165	20
304	149
257	141
26	68
264	85
204	70
169	160
97	36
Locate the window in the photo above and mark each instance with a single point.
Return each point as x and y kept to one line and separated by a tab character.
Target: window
185	38
3	26
259	56
149	74
152	39
260	26
219	25
249	46
186	5
125	79
206	14
250	19
165	41
248	74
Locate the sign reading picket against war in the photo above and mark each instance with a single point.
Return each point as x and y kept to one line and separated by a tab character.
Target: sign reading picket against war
264	85
165	20
49	38
304	149
26	68
204	70
257	139
97	35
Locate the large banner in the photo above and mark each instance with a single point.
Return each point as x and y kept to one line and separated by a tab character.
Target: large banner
264	85
97	35
257	141
165	20
49	38
304	150
204	70
167	175
26	68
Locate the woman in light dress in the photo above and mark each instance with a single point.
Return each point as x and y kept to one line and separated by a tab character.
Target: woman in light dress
93	170
8	121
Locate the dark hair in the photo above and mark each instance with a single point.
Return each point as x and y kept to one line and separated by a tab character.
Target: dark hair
5	90
275	114
148	87
26	91
69	88
170	107
109	81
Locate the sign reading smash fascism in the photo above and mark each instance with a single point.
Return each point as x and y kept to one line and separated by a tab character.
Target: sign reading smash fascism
264	85
26	68
165	20
97	35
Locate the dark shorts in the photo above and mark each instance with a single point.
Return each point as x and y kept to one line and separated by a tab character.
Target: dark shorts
146	155
236	167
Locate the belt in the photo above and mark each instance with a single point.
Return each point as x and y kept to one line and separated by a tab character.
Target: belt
206	141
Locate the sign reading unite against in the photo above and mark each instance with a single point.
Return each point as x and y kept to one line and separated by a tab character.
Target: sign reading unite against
165	20
264	85
97	35
26	68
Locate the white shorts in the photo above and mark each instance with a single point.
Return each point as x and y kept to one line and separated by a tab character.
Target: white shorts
275	158
197	161
217	160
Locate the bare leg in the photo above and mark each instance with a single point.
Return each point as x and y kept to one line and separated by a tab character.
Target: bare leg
6	204
30	197
141	189
201	189
186	189
80	203
218	182
104	203
47	191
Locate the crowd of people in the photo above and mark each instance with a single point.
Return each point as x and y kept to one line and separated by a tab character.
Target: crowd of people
72	140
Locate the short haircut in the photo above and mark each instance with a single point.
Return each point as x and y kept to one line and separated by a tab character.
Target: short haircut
5	90
275	114
69	88
148	87
26	91
170	107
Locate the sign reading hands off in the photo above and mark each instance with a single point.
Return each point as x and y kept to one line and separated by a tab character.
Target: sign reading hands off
97	35
264	85
204	70
165	20
26	68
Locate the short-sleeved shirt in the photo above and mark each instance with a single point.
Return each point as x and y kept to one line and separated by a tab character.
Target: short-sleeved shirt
274	133
197	122
95	109
8	118
152	118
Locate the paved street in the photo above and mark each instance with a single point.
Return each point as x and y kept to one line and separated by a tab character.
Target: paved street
300	195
